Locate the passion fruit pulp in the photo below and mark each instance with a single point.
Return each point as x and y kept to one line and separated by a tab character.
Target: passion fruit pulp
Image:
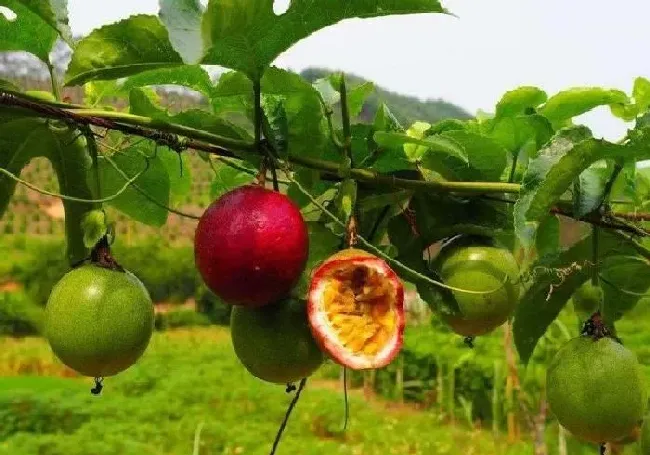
99	321
274	342
356	309
596	389
478	265
251	246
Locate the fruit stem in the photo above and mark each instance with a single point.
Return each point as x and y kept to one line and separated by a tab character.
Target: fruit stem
345	399
102	257
283	425
595	231
345	116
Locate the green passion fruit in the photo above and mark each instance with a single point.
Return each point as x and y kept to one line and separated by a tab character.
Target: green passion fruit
99	321
477	264
274	342
596	389
588	298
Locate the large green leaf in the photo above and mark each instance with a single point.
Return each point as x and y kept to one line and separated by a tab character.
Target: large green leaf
145	103
183	21
190	76
625	280
228	178
305	116
247	35
553	171
28	31
588	190
543	300
518	101
24	139
139	43
154	182
517	132
443	146
54	13
577	101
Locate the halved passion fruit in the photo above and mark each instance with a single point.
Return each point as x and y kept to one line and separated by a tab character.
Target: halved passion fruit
356	309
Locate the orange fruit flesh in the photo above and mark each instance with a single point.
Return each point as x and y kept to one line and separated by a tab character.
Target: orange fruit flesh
360	306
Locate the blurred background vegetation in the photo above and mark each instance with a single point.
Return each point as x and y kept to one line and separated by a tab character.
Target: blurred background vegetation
438	397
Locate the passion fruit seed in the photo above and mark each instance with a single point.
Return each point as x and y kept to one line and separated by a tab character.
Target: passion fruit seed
274	342
481	267
356	309
595	389
251	246
99	321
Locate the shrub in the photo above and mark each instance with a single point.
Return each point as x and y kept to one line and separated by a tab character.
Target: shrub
19	316
180	318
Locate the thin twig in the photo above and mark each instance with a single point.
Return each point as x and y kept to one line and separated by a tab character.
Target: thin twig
283	425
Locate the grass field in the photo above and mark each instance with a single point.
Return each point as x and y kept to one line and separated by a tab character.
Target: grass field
191	379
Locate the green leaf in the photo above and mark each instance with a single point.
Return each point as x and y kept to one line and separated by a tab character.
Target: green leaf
178	169
346	199
323	191
27	32
487	159
415	148
514	133
641	94
154	182
520	100
378	200
276	124
577	101
548	237
145	103
541	303
248	36
139	43
54	13
227	178
322	244
357	97
100	92
24	139
625	281
183	21
552	172
588	190
385	120
328	93
547	295
302	104
190	76
94	227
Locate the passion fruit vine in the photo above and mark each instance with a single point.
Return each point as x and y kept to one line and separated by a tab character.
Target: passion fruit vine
251	246
356	309
477	264
99	320
595	387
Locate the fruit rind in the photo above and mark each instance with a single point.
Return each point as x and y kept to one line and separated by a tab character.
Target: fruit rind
320	325
251	246
274	342
596	390
488	267
98	321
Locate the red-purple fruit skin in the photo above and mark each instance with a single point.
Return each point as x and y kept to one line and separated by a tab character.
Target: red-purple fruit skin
251	246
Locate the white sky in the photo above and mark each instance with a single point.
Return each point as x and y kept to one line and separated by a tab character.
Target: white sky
471	60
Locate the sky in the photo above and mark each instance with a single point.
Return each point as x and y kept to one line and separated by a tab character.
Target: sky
472	59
